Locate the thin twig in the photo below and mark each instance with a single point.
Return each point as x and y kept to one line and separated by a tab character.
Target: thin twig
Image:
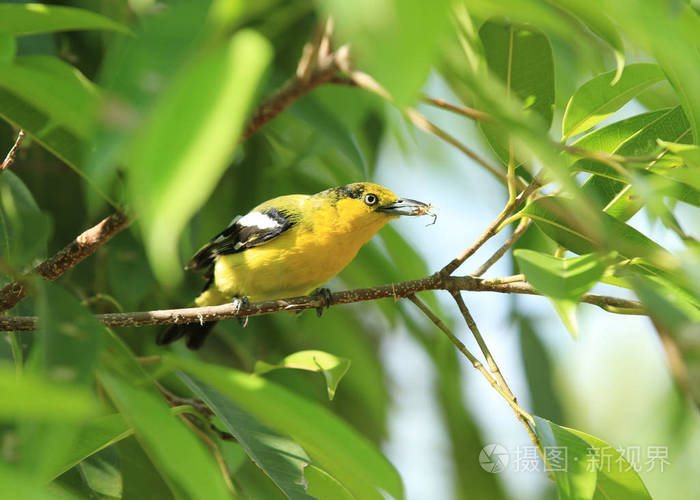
472	113
394	291
10	158
469	320
491	230
519	231
524	417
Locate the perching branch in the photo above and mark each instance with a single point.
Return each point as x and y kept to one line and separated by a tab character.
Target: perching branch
317	65
10	158
394	290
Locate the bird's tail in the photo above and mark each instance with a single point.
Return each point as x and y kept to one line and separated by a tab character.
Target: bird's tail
194	333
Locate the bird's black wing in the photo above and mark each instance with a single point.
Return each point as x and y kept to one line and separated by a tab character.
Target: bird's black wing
244	232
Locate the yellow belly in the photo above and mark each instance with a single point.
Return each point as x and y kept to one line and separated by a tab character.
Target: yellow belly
292	264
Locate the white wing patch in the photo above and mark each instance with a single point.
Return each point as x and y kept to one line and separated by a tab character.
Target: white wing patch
259	220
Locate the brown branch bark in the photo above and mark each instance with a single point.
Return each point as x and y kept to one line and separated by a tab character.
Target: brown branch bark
10	158
394	290
80	248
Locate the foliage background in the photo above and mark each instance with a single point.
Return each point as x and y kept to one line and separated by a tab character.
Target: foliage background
171	157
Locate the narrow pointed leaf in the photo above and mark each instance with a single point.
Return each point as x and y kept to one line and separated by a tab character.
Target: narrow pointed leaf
330	442
568	457
521	57
598	98
33	18
280	458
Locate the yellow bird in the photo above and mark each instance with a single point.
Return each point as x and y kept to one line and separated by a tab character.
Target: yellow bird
289	246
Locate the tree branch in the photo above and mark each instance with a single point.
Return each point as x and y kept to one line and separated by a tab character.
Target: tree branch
10	158
524	417
317	65
83	246
519	231
491	230
394	290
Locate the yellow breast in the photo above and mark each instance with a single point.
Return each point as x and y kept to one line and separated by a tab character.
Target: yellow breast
294	263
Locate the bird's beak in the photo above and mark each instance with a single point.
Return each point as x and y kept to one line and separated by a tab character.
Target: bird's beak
403	206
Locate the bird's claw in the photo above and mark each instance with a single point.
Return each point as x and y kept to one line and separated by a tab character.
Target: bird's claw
238	303
325	296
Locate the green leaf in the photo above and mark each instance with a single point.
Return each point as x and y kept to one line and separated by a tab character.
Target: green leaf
69	341
32	18
181	458
636	136
54	88
8	48
95	435
598	98
689	152
56	138
562	280
601	24
554	216
24	229
332	367
389	34
521	57
323	485
568	456
174	164
280	458
101	473
34	397
616	477
139	473
330	443
672	39
18	484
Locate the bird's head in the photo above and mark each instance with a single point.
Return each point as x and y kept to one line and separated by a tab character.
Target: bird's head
366	203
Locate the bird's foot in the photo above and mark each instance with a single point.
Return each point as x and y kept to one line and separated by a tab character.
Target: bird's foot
325	296
238	303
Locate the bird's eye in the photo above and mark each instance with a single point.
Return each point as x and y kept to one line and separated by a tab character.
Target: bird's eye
371	199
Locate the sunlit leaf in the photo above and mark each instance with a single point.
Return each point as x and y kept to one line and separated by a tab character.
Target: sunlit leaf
598	98
616	478
55	89
562	280
332	367
520	56
322	485
175	164
568	457
389	34
32	18
689	152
